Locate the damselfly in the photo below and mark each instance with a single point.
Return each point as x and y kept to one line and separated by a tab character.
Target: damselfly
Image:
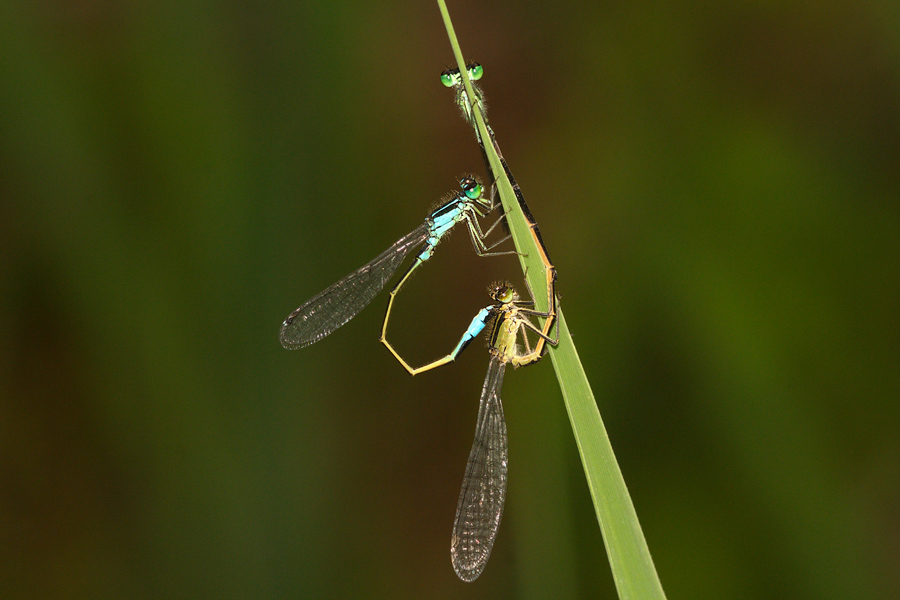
483	491
331	308
451	78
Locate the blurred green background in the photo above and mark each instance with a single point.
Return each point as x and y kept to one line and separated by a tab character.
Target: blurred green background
717	184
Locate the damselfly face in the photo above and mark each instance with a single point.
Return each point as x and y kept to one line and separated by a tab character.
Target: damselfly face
471	188
502	292
452	79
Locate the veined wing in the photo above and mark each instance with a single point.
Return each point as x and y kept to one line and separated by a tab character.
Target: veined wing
331	308
484	486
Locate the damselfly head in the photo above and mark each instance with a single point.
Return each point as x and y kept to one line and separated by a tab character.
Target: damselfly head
451	77
502	292
470	187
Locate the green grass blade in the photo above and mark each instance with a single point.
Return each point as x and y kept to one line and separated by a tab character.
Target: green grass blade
629	557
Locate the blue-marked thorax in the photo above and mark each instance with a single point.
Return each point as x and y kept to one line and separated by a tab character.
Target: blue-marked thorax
448	215
442	221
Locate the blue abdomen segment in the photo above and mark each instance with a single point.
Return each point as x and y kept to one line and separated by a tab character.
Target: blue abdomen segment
475	327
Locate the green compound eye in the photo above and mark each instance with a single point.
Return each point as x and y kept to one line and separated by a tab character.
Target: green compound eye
502	291
470	187
449	77
475	71
473	190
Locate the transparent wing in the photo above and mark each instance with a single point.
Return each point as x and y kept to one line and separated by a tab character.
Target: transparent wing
325	312
484	486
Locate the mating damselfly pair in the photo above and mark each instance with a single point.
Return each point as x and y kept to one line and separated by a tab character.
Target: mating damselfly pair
508	319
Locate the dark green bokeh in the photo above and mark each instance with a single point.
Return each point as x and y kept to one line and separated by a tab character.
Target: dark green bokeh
718	186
